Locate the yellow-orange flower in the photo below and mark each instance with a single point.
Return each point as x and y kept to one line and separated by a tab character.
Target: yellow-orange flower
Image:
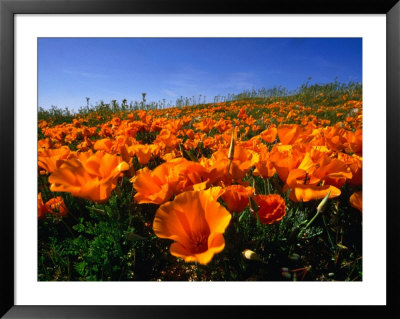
305	193
264	167
143	152
152	186
354	162
104	144
315	178
269	135
51	159
195	221
92	177
289	133
356	200
243	160
272	208
237	197
285	158
187	175
172	177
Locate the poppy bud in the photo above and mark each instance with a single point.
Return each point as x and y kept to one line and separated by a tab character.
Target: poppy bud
250	255
323	202
253	205
232	147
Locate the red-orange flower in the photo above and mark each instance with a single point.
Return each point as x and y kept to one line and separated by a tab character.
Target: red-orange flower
195	221
41	207
272	208
56	206
237	197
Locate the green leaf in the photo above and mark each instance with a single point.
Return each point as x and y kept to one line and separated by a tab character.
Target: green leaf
94	209
80	268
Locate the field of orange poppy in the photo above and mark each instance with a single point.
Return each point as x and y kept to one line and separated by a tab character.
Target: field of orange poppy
251	188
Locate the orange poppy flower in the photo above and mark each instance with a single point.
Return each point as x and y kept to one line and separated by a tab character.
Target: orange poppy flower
335	137
187	175
355	141
315	178
305	193
56	206
143	152
332	171
172	177
205	125
272	208
104	144
269	135
356	200
91	176
167	140
195	221
47	143
152	186
51	159
237	197
354	162
86	145
41	207
285	158
289	133
243	160
264	166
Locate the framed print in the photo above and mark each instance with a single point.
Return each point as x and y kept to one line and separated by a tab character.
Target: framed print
197	159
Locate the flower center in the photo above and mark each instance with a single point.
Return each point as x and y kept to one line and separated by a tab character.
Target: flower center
200	243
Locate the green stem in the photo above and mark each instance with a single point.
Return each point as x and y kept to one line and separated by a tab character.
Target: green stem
277	227
308	224
327	231
69	213
67	227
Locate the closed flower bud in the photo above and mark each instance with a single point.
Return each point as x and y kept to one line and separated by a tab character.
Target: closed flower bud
232	147
253	205
250	255
323	202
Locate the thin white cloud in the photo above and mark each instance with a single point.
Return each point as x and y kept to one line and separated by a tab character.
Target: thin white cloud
187	78
237	81
85	74
169	93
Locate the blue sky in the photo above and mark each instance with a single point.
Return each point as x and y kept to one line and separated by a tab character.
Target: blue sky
71	69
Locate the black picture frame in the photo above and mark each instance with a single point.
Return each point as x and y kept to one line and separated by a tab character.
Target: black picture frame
8	8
